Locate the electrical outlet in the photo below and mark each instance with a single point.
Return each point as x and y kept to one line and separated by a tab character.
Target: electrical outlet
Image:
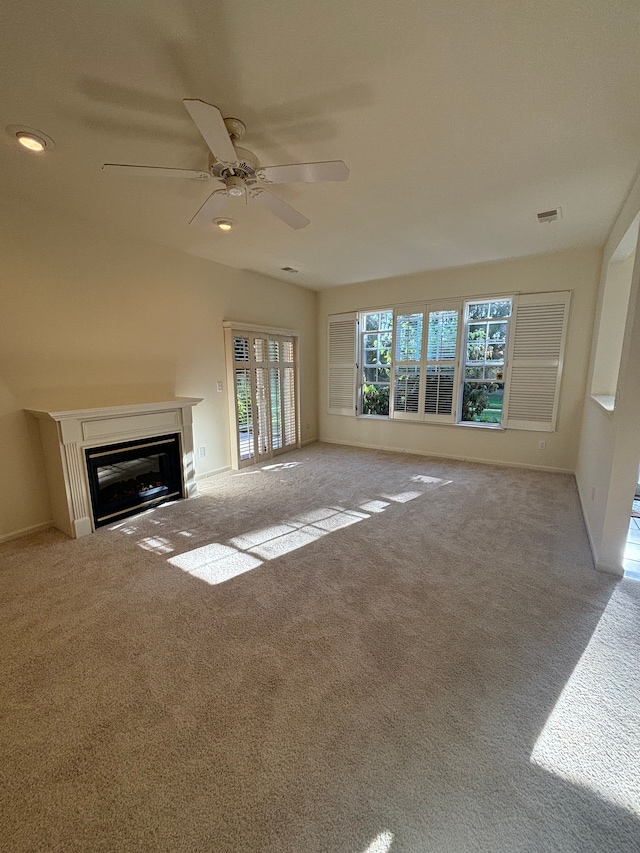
542	445
593	493
202	451
219	386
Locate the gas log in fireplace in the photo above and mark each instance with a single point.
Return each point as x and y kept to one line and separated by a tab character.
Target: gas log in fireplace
106	463
126	478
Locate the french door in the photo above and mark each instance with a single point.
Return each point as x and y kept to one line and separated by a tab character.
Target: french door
264	382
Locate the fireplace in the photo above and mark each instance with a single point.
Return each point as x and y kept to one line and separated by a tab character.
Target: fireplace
104	464
126	478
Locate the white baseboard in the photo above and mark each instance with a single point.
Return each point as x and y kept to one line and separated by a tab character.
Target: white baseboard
618	571
448	456
25	531
212	473
309	441
594	551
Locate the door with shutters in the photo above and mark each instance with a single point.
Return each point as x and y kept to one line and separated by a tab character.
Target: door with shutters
262	372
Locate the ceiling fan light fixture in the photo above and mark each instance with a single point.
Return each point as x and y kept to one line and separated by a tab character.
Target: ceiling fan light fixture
224	224
235	187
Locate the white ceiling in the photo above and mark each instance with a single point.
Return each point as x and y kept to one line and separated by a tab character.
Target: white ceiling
459	120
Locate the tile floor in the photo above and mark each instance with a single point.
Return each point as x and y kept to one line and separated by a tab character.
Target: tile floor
631	560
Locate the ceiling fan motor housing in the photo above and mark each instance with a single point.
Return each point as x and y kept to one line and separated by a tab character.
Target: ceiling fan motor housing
244	168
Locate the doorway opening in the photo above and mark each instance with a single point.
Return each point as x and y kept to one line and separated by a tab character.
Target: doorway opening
264	380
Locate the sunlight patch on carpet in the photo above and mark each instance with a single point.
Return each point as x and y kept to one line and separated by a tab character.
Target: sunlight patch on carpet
430	481
381	844
591	736
282	545
339	520
215	563
226	568
375	506
156	544
277	466
257	537
403	497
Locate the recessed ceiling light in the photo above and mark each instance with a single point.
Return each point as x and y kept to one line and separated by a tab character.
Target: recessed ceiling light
31	139
224	224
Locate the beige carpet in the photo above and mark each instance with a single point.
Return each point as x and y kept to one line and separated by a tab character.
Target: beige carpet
346	652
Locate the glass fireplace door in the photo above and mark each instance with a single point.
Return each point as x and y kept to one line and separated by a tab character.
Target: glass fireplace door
125	478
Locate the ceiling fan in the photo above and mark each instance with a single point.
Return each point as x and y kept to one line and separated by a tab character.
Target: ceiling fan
238	170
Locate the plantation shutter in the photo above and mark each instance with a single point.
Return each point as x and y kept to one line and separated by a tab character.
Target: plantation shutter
245	435
535	361
442	340
289	418
407	371
342	367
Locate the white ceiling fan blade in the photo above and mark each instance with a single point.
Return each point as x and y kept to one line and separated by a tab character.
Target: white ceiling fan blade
209	121
333	170
210	208
155	171
280	208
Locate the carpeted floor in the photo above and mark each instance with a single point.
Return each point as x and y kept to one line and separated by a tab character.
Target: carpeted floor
342	652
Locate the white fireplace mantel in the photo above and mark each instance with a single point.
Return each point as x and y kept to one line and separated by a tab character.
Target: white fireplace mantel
66	434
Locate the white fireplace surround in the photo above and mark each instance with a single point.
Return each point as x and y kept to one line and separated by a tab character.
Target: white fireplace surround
65	436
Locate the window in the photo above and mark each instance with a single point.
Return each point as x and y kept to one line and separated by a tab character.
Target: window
376	344
424	365
494	362
486	331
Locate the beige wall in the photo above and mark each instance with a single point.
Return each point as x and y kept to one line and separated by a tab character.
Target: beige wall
90	317
607	466
576	270
613	317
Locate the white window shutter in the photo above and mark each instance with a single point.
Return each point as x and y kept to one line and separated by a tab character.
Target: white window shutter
408	373
342	368
442	349
536	353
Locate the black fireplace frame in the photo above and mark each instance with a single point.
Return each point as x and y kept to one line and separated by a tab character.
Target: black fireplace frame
97	457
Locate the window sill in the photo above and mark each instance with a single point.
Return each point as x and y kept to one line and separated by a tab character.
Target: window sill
471	424
476	425
605	401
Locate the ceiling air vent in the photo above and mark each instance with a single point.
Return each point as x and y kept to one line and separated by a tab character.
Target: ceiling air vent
550	215
288	269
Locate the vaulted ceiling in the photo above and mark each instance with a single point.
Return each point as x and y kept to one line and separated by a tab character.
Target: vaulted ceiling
458	120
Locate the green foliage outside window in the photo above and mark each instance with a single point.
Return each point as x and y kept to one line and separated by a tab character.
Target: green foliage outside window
375	399
482	402
376	349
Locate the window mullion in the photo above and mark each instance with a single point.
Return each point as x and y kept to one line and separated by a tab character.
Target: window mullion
394	365
422	385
